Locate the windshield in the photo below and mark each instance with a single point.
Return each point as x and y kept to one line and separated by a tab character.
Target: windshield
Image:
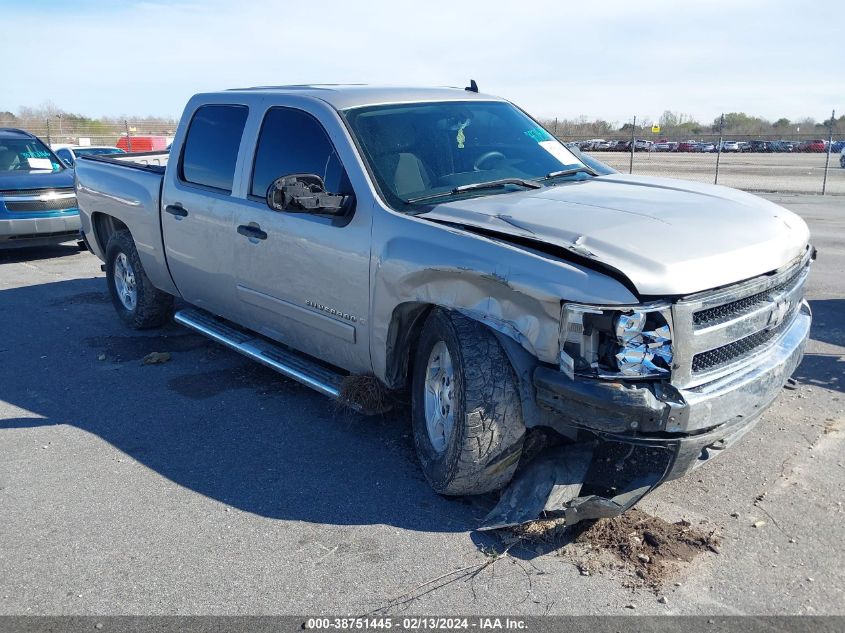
421	150
96	151
27	154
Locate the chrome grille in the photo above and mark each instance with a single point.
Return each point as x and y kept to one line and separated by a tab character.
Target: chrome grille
738	350
734	309
718	332
54	204
35	200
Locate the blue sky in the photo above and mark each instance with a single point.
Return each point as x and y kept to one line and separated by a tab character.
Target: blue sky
610	59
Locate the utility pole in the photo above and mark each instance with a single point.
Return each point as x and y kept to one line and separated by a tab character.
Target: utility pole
829	144
128	137
633	142
719	149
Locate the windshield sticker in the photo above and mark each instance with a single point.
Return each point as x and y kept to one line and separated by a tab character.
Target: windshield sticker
38	154
40	163
460	138
538	134
558	151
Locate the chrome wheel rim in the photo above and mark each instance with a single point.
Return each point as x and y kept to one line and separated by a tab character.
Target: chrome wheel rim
439	397
124	282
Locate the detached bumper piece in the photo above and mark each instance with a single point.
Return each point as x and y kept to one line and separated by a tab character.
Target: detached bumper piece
576	482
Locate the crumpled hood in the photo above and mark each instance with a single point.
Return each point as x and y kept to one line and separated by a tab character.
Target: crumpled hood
669	237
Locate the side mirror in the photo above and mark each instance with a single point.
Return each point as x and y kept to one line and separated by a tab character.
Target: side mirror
305	193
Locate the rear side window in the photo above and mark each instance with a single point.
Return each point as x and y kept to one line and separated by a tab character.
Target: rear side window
293	142
211	146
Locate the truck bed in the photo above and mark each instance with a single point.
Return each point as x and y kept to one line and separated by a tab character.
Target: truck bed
149	161
126	187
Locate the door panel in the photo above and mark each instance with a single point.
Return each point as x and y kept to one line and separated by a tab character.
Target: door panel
307	283
198	208
200	248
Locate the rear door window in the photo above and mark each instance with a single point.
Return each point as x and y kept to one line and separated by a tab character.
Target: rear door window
211	146
294	142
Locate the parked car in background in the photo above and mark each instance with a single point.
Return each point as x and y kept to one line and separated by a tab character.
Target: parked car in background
687	146
147	143
814	146
842	158
706	147
662	146
590	145
730	146
757	146
37	201
837	147
642	145
69	153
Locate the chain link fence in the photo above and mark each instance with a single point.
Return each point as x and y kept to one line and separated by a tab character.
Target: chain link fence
57	131
791	163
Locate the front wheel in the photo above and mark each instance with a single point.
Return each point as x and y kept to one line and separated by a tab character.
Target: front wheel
466	410
138	303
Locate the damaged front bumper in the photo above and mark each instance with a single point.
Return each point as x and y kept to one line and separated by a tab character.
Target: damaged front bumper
627	442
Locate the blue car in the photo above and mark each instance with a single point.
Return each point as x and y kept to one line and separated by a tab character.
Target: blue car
37	200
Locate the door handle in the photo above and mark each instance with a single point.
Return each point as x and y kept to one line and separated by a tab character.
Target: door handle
176	210
252	231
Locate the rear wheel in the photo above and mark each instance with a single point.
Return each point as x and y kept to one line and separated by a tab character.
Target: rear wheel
466	410
138	303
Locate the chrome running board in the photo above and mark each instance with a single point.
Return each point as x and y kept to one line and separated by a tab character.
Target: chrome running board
287	362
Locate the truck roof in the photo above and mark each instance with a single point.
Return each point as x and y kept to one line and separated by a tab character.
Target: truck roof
344	96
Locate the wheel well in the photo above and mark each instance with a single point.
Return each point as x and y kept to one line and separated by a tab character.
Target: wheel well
402	336
104	227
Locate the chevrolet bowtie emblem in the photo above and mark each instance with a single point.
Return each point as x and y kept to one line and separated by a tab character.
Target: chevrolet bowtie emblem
779	312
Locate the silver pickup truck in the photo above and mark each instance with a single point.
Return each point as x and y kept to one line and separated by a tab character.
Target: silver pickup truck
571	335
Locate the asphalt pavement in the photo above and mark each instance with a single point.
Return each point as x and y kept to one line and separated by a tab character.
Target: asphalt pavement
208	484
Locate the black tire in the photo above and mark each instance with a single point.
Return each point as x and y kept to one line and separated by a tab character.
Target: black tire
152	307
485	443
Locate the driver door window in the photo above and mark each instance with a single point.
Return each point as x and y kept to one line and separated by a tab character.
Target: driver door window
294	142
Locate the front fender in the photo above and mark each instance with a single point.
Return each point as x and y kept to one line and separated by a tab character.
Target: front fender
515	291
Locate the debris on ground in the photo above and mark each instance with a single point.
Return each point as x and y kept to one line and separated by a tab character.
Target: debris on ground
648	546
366	393
156	358
647	550
101	357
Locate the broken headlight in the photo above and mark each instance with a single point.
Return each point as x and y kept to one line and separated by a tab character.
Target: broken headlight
619	342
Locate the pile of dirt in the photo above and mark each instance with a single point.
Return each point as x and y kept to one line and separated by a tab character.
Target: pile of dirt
645	550
646	547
